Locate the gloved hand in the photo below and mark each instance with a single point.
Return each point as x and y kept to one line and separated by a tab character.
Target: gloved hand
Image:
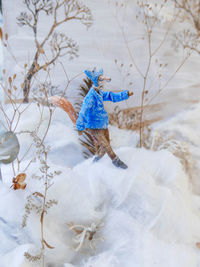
130	93
80	133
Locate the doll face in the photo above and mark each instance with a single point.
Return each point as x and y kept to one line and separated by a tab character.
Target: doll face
102	80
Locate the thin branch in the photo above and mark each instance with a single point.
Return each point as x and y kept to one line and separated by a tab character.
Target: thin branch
165	36
50	62
128	48
28	7
170	79
49	122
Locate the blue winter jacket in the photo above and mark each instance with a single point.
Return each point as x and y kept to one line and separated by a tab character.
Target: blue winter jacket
92	114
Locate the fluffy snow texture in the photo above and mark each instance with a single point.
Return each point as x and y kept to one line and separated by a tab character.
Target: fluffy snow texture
150	216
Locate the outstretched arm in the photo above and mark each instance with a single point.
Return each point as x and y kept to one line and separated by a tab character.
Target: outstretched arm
116	97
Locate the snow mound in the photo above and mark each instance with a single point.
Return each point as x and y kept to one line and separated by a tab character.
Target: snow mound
147	213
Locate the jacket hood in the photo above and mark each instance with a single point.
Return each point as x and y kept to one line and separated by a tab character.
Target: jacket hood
94	75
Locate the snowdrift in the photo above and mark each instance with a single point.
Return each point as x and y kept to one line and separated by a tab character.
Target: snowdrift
147	215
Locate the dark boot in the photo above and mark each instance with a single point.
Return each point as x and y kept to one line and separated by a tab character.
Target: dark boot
118	163
96	159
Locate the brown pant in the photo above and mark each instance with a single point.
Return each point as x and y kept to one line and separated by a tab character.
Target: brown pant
102	142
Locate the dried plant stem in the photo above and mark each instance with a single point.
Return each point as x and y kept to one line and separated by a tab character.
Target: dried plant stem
13	168
149	31
42	215
192	8
13	120
47	129
128	48
149	25
142	100
60	44
68	80
38	201
175	16
170	79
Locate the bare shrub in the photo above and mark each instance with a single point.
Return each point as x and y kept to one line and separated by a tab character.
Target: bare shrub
38	201
189	37
60	45
148	16
129	119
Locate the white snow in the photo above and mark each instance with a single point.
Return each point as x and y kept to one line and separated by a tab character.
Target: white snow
149	213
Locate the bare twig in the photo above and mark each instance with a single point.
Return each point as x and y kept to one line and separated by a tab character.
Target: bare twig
60	44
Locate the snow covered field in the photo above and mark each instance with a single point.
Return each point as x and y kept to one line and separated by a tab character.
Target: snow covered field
145	216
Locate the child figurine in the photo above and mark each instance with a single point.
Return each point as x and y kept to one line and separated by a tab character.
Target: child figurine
94	118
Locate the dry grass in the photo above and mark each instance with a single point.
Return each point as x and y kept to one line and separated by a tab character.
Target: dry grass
129	119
